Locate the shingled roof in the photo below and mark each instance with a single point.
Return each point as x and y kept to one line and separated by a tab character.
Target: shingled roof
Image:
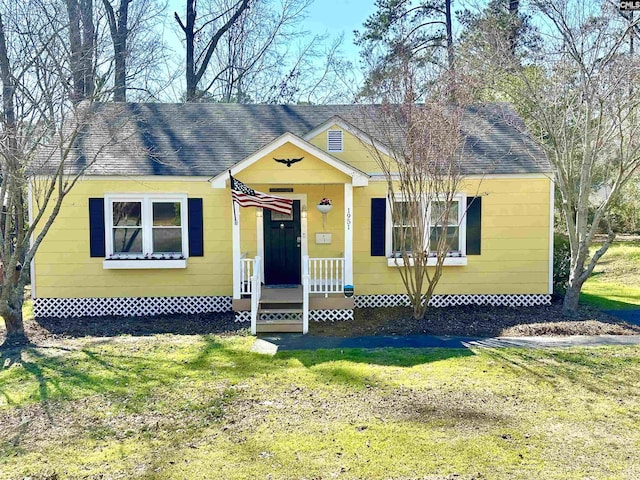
195	139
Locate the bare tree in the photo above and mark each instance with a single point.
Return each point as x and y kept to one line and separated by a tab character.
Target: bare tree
82	42
581	106
137	47
201	41
36	111
421	160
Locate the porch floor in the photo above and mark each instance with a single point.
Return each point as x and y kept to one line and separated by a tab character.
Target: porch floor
281	295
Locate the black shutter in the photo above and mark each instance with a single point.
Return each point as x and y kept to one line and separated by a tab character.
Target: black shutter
96	227
474	221
378	226
196	234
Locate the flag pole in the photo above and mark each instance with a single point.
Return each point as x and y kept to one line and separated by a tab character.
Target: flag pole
233	206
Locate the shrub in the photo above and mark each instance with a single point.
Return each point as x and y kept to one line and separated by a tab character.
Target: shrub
561	264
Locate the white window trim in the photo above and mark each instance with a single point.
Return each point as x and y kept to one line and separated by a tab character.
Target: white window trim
449	261
341	141
138	261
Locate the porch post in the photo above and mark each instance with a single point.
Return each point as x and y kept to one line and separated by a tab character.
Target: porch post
348	234
235	241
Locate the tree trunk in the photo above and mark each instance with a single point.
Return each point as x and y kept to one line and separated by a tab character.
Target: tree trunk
571	298
11	312
119	34
189	35
514	18
450	56
75	46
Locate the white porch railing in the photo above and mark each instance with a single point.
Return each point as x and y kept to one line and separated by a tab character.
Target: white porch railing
256	287
305	295
319	275
246	272
326	275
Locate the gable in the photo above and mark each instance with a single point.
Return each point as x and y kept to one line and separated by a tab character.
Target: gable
309	170
355	152
291	146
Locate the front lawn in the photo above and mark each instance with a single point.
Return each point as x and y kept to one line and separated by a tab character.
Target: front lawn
170	406
615	282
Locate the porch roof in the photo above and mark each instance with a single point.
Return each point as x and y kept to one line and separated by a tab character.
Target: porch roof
358	177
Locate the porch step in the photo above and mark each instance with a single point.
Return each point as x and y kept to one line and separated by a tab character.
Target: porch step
280	310
279	326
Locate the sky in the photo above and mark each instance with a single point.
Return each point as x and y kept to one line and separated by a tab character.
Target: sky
326	16
332	17
340	16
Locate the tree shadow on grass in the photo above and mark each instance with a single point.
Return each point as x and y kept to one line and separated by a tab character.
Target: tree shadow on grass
602	370
341	365
100	368
606	303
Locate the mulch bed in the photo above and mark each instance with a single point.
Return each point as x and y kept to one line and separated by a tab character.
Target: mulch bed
196	324
470	321
477	321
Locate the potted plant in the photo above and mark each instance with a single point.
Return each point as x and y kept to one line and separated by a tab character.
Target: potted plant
324	206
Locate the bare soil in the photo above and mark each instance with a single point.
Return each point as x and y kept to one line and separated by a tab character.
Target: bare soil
471	321
477	321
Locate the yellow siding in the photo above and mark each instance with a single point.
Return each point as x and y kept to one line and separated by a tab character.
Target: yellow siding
309	170
515	242
515	236
355	152
65	270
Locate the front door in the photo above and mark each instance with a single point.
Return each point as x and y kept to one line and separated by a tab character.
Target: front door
282	244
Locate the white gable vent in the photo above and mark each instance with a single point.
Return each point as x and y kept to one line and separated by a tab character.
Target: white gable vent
334	140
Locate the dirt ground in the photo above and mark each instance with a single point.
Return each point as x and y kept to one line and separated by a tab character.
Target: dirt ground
476	321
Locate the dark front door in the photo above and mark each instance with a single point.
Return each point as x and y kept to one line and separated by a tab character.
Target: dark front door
282	247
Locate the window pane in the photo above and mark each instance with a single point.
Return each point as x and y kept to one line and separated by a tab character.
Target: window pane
166	214
167	240
403	212
452	238
127	214
437	213
402	239
127	240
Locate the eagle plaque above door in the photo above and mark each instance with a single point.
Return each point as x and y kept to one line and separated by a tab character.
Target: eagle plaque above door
288	161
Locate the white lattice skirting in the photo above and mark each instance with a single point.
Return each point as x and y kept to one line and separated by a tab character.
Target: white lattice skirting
96	307
515	300
314	315
331	315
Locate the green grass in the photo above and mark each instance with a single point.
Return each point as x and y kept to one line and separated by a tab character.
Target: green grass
615	282
206	407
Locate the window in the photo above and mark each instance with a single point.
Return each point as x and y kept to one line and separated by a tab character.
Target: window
334	141
146	228
451	230
403	228
399	229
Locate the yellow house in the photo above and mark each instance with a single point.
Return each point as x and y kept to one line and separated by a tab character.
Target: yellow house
151	228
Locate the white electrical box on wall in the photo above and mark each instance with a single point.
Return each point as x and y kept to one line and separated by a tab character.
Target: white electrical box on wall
323	238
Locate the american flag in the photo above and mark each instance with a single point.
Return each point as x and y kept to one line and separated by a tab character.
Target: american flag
248	197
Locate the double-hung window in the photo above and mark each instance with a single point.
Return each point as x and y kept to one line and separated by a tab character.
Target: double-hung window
146	228
448	226
402	228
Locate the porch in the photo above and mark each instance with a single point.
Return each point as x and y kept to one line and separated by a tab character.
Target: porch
278	308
